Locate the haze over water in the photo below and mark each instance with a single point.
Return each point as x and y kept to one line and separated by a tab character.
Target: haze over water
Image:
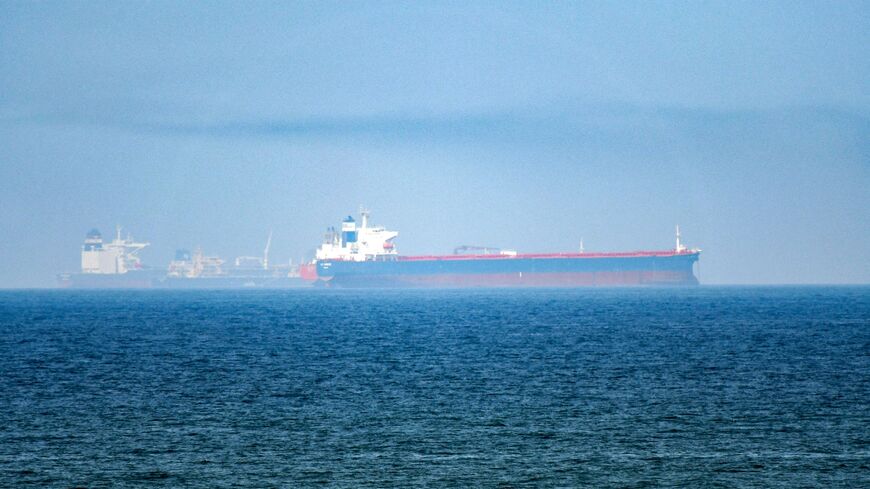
509	124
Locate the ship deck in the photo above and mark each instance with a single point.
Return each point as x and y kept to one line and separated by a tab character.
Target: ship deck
626	254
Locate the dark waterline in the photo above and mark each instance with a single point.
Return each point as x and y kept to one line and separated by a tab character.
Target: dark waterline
706	386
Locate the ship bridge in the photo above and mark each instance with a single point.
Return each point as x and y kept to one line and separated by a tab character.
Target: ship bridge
357	241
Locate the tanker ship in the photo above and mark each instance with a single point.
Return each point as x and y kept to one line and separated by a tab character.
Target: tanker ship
111	265
360	255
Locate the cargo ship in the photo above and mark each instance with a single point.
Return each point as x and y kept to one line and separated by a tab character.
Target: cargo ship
110	265
116	265
360	255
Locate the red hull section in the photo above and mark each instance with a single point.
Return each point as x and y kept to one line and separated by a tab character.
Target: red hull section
308	272
584	256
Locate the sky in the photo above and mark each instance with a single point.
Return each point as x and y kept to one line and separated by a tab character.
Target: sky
523	125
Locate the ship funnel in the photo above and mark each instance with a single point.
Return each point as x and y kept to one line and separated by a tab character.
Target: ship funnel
349	231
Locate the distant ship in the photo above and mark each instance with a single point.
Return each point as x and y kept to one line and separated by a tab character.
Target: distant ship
110	265
116	264
199	271
365	256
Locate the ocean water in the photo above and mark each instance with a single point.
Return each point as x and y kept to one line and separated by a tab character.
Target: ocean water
689	387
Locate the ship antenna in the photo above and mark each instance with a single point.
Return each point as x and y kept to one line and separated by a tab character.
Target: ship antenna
581	246
680	248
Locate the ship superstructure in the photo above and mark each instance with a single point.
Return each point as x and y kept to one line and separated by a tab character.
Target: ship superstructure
357	242
115	257
113	264
343	261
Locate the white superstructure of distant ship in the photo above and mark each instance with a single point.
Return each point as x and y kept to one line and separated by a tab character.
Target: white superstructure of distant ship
110	264
115	257
358	242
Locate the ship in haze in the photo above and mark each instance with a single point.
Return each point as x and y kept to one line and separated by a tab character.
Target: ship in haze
111	265
360	255
200	271
116	264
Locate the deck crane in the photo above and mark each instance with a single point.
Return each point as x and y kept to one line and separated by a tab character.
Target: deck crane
266	251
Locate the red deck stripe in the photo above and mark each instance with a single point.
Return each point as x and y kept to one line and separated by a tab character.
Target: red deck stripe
628	254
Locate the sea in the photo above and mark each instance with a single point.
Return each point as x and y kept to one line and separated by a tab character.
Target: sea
679	387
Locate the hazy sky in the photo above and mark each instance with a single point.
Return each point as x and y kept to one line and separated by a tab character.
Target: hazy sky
522	125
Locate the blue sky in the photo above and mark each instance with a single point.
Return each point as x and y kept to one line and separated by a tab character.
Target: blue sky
506	124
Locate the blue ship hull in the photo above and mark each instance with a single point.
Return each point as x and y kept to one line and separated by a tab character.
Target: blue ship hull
551	270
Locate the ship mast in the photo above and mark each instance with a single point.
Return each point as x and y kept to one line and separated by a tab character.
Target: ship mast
680	248
364	214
